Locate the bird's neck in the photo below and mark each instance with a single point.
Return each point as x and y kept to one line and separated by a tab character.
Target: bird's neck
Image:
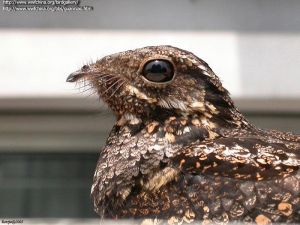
224	115
181	128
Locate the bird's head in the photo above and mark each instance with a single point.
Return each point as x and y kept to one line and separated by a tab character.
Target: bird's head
156	80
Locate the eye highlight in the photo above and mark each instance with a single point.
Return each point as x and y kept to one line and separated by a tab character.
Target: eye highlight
158	71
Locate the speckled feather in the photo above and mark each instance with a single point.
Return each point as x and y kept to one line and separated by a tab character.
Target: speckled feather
182	152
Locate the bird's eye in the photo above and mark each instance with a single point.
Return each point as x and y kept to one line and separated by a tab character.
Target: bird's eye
158	71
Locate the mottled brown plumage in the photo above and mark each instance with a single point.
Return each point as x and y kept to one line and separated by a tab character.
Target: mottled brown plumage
180	150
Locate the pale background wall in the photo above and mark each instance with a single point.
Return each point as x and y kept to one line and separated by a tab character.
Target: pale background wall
254	46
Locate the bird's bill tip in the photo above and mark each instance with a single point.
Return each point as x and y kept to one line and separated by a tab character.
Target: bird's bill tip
74	76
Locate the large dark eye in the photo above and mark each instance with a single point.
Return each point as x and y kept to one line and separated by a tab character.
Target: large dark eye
158	71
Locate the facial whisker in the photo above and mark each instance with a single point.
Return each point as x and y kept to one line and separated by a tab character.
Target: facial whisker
111	86
111	78
85	84
86	90
83	81
92	93
80	87
118	88
102	76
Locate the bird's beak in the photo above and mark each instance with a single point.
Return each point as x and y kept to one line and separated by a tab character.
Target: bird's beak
75	76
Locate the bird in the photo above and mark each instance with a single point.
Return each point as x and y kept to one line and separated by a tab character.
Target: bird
180	151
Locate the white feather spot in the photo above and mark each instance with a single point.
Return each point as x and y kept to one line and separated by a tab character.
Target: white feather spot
139	94
186	130
202	67
131	118
156	147
172	103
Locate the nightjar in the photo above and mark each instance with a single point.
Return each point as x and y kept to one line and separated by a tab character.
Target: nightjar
180	151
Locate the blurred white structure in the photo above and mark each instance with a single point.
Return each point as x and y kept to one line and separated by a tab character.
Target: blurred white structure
35	63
